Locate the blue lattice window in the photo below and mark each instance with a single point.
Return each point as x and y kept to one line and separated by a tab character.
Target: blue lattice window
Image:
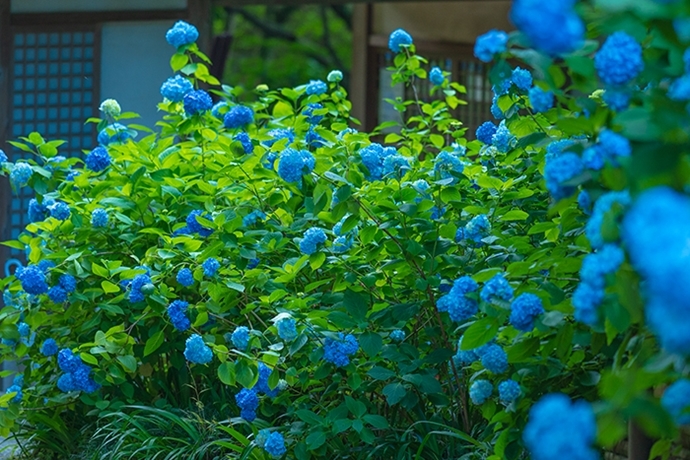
53	90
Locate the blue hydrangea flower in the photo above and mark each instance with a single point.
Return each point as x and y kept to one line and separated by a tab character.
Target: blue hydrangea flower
597	265
338	351
49	347
279	134
98	159
680	89
447	163
495	109
57	294
68	282
33	280
540	99
175	88
194	225
253	217
294	164
262	383
23	329
397	335
312	238
115	133
551	27
316	87
593	158
395	164
99	218
556	148
335	76
586	300
37	211
601	207
613	145
246	141
475	231
20	174
253	263
197	101
309	113
240	338
185	277
15	389
617	99
210	266
398	39
559	170
496	289
436	76
559	428
59	210
3	156
486	132
181	34
456	303
178	316
508	391
238	116
503	139
219	109
46	265
314	139
584	201
494	359
248	401
68	361
135	293
275	445
676	401
489	44
656	231
287	329
521	78
372	157
480	391
524	310
619	59
196	351
464	357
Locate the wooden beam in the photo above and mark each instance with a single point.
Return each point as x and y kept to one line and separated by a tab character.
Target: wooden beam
5	191
361	28
92	17
200	16
321	2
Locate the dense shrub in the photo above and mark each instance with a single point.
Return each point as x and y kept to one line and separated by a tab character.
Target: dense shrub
331	296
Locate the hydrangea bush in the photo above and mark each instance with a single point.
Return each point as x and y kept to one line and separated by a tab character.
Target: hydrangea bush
332	292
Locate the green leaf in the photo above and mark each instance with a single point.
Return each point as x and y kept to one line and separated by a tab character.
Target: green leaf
316	440
109	287
380	373
178	61
356	305
515	214
316	260
479	333
226	373
88	359
100	271
377	421
394	393
309	417
129	362
371	343
154	342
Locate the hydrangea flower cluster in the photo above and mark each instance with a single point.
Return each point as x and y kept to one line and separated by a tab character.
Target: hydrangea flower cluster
17	398
197	101
398	39
552	28
676	401
238	116
493	358
185	277
181	34
210	266
178	316
617	99
619	60
540	100
590	293
294	164
59	210
456	303
110	108
559	170
275	445
656	231
175	88
287	329
20	174
248	402
485	132
37	211
194	226
262	383
77	375
240	337
114	133
98	159
67	284
559	428
480	391
448	163
475	230
397	335
521	78
3	157
335	76
373	157
33	279
246	141
601	208
136	293
497	289
489	44
196	351
309	110
311	240
49	347
436	76
99	218
524	310
508	391
338	351
316	87
503	139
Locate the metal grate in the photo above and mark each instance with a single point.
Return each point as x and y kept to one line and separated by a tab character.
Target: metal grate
52	92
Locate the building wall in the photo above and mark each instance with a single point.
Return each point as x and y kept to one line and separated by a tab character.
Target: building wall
49	6
134	63
457	22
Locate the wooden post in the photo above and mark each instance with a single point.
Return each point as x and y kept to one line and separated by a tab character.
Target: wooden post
5	191
200	16
360	83
639	444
